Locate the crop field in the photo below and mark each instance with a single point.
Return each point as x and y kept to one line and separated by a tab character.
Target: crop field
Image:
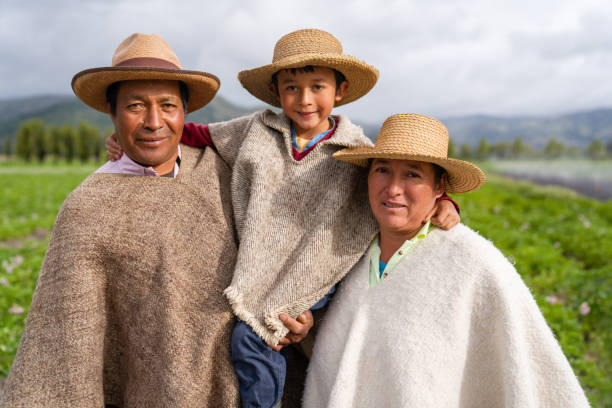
592	178
560	242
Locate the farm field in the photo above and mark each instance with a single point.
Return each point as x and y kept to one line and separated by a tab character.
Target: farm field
560	242
588	177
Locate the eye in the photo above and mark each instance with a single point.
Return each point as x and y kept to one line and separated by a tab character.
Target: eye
169	106
318	87
290	88
136	106
414	175
381	170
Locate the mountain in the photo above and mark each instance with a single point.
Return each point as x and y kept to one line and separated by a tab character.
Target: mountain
60	110
573	129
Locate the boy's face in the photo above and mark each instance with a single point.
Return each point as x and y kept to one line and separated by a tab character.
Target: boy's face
308	98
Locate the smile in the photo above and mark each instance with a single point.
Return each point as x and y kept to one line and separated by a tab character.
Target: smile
393	205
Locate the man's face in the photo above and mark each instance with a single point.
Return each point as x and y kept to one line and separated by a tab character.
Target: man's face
149	122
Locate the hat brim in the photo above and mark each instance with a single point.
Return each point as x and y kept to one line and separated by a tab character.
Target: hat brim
90	85
360	76
462	176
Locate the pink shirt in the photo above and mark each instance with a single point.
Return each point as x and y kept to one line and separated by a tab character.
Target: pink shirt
125	165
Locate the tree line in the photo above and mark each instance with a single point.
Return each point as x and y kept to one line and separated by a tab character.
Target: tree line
36	142
517	149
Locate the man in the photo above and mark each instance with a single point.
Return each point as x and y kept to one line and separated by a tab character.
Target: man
129	307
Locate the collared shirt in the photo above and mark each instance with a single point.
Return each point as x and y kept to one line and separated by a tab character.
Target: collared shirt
378	271
125	165
301	144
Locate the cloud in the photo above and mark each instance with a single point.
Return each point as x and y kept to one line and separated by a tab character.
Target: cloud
441	57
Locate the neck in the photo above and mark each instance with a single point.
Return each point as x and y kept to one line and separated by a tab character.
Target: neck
390	242
310	133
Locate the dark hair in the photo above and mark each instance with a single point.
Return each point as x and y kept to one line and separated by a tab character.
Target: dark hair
338	76
113	90
439	171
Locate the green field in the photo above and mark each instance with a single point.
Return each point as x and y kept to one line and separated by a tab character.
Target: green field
560	242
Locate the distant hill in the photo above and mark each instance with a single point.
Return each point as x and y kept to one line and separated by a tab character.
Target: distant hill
60	110
573	129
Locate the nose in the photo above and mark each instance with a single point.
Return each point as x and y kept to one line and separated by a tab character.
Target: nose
153	119
395	186
305	97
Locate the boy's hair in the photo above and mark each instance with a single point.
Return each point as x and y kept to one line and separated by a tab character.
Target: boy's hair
339	76
113	90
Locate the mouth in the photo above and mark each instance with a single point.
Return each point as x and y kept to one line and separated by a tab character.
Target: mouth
392	205
151	141
307	114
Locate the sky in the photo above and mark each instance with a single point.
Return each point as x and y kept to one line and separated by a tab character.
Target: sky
436	57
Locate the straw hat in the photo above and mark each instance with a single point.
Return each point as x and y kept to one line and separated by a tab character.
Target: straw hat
310	47
142	56
409	136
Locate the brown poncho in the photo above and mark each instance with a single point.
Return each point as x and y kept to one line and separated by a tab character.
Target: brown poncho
129	307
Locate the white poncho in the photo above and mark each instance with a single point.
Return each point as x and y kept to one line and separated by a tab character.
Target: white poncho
452	326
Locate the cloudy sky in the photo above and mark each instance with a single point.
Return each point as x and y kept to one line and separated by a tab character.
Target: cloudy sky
442	58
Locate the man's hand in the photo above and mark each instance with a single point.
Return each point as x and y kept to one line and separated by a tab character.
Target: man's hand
113	150
444	215
298	329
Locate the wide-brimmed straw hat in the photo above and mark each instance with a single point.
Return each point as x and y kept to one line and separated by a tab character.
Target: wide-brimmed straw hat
315	48
409	136
142	56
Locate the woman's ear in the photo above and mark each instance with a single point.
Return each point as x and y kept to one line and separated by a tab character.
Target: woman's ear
441	187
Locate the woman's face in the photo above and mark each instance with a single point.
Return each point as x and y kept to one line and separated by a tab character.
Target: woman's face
402	193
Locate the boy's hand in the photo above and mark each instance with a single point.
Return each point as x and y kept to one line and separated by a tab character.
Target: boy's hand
298	329
113	150
444	215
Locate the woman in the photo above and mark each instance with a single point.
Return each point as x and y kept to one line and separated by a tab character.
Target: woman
432	318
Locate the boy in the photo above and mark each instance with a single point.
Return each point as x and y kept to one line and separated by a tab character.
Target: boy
302	218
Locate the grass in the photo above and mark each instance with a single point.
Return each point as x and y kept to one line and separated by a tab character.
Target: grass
560	243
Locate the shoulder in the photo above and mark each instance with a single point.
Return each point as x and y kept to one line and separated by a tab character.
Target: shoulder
348	134
465	249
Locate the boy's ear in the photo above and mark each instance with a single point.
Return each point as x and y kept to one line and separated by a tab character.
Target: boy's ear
272	89
341	90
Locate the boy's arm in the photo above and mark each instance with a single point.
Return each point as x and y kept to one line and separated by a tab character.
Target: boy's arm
196	135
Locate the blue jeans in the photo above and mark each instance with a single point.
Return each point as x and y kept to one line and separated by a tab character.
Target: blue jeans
261	371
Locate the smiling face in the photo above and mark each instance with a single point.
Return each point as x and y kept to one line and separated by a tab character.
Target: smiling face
402	193
308	98
149	122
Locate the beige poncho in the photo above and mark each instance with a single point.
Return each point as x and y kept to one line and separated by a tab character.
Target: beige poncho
301	224
453	325
129	307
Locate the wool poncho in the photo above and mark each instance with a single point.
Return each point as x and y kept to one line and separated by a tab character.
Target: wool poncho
301	225
453	326
129	307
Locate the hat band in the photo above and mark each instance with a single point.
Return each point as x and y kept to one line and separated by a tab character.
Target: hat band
146	62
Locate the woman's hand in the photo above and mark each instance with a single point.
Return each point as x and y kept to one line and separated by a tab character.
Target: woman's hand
298	329
113	150
444	215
